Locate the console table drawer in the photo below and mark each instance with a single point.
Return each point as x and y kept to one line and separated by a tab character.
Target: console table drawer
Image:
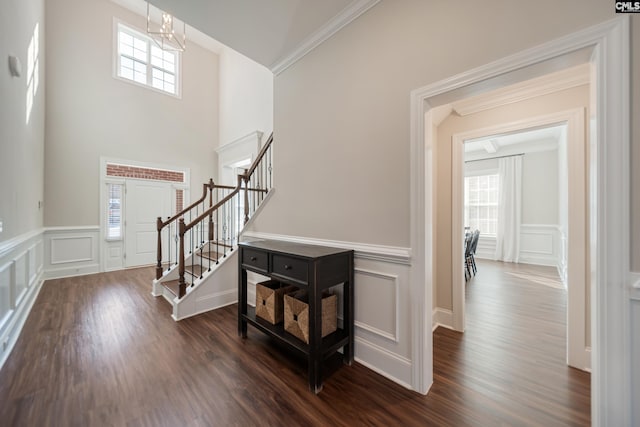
292	268
255	259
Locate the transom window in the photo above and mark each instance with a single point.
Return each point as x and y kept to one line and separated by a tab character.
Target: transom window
142	61
481	203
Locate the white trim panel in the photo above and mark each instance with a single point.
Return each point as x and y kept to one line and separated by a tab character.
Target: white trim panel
71	251
20	282
370	320
539	244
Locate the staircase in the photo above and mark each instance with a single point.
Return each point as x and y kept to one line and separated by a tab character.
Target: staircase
195	271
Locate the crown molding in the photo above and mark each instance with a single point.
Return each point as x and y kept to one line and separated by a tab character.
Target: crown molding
561	80
253	137
346	16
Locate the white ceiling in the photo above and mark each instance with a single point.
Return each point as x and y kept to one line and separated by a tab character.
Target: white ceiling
273	33
542	139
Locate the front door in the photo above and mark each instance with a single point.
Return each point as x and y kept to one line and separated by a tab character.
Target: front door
144	202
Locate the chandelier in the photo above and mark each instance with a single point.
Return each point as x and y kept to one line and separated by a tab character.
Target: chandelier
165	30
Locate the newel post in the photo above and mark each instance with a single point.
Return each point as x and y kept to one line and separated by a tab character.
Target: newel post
159	225
211	186
182	285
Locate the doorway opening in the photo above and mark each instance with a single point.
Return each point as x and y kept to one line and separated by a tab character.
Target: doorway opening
527	217
606	48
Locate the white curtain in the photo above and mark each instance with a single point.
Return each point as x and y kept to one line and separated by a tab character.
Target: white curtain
509	209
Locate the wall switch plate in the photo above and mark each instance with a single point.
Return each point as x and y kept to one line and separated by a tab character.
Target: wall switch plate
0	226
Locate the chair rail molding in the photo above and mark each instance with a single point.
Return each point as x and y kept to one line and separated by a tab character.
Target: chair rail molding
609	41
392	254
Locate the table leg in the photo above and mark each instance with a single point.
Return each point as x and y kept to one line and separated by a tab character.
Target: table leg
242	302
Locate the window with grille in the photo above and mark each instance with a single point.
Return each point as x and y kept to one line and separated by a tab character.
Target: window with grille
141	61
481	197
114	211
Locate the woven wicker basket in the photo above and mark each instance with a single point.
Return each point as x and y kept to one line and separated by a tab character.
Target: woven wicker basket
296	314
269	303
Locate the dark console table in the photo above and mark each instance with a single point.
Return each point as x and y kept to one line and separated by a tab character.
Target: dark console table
310	267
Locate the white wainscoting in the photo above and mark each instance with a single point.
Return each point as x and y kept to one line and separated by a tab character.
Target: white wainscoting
21	271
71	251
382	304
540	244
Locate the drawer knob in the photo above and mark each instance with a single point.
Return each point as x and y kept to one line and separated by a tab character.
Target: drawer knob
253	258
287	267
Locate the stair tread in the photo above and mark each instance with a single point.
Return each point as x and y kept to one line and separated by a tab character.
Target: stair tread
173	286
195	269
220	243
212	255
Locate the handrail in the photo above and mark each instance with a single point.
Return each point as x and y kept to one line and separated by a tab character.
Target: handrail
261	154
241	177
210	185
209	211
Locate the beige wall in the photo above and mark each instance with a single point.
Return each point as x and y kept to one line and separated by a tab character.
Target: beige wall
540	188
246	97
21	143
341	113
91	114
561	101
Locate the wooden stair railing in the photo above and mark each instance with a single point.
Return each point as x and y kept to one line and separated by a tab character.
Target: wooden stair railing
215	230
160	224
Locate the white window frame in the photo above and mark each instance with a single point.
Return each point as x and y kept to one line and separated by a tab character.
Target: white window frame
33	70
121	184
119	25
477	174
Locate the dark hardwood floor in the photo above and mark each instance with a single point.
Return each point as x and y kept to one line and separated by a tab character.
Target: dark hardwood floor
100	350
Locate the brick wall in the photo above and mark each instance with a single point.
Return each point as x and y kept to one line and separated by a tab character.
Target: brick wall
144	173
179	201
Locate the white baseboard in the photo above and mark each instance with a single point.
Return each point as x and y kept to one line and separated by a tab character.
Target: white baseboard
587	357
397	368
58	273
442	317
